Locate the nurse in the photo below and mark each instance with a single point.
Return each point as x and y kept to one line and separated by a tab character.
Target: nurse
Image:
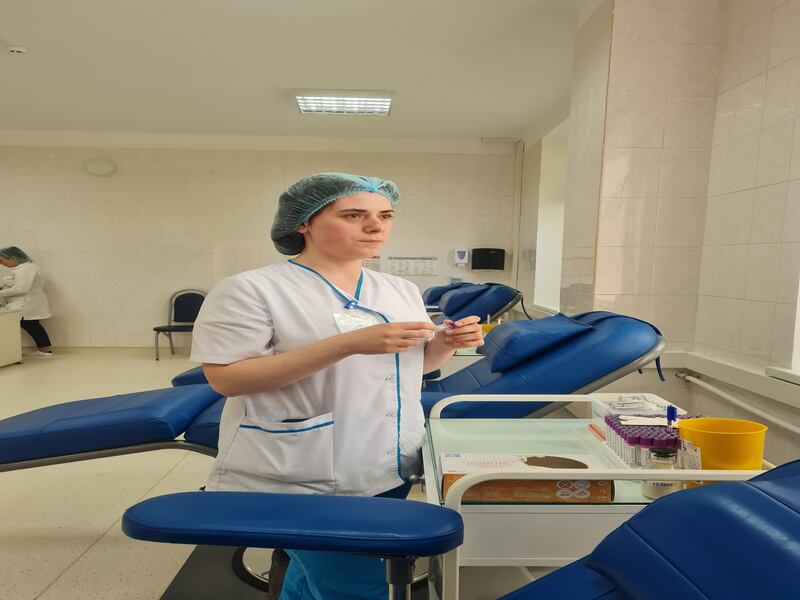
322	364
23	290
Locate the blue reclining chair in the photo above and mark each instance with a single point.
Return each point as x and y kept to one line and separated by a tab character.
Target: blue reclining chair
112	426
586	352
718	541
432	295
481	300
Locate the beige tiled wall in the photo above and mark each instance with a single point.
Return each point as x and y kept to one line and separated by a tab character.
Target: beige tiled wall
751	249
665	61
113	249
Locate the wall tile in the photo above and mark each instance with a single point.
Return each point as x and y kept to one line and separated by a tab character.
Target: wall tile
694	70
794	171
758	319
782	98
754	10
755	48
699	21
639	68
631	173
635	121
684	172
626	222
763	267
749	105
676	270
791	222
624	270
644	21
769	208
775	153
728	324
725	116
743	162
783	335
789	277
633	305
680	222
728	218
785	25
718	169
704	326
689	122
675	316
729	69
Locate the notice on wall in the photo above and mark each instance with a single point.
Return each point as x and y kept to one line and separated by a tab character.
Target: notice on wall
373	264
413	265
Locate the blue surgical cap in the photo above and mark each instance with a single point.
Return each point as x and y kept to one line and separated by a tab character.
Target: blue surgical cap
14	253
307	197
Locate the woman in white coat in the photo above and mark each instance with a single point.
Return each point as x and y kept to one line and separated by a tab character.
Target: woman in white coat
322	363
23	290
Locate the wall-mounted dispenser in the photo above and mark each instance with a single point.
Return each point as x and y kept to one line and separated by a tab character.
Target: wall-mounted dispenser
488	258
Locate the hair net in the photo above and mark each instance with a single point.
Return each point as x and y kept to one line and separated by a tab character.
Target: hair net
14	253
310	195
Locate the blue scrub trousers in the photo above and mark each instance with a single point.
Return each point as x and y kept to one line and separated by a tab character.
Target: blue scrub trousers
337	576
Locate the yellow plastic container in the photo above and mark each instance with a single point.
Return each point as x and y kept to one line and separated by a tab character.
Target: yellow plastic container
487	327
726	443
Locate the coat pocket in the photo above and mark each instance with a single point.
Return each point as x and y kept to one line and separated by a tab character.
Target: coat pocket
298	452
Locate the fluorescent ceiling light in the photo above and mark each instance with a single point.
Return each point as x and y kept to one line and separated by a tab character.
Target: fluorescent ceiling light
339	103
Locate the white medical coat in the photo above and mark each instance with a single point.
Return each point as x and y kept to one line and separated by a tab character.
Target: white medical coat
23	290
361	419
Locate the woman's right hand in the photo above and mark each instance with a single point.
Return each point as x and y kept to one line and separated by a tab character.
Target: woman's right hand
388	338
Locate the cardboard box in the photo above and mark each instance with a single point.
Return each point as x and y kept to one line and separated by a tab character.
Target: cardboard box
511	491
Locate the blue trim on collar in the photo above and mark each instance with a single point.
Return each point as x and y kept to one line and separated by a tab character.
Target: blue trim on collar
349	303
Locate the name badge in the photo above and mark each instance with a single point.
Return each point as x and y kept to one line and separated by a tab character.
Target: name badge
355	320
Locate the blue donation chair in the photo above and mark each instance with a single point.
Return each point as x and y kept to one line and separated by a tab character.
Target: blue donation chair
486	300
113	425
554	355
184	305
432	295
718	541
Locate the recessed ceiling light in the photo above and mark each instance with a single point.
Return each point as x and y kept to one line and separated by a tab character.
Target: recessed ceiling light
344	103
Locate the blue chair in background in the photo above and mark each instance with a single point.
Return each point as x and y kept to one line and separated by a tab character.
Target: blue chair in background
485	300
432	295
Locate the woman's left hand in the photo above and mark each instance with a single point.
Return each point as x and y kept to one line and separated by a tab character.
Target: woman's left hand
464	333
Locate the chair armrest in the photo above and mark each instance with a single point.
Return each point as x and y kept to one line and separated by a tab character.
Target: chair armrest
380	526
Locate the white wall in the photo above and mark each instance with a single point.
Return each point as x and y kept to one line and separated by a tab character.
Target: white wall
113	249
550	222
748	289
586	127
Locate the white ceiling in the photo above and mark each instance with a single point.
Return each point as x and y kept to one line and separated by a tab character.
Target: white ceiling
459	69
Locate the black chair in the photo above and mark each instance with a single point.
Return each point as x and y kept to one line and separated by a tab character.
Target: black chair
184	305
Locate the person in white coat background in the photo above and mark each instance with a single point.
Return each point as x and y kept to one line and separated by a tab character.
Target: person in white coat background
322	363
23	290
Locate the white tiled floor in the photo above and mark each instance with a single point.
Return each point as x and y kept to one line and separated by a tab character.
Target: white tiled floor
60	535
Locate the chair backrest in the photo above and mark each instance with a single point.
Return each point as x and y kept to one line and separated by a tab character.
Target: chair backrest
432	295
579	365
184	305
483	300
723	540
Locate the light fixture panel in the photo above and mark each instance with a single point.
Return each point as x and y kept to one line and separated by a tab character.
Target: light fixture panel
344	103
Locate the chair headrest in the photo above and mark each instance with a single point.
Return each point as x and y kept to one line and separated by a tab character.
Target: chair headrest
510	344
454	300
434	294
